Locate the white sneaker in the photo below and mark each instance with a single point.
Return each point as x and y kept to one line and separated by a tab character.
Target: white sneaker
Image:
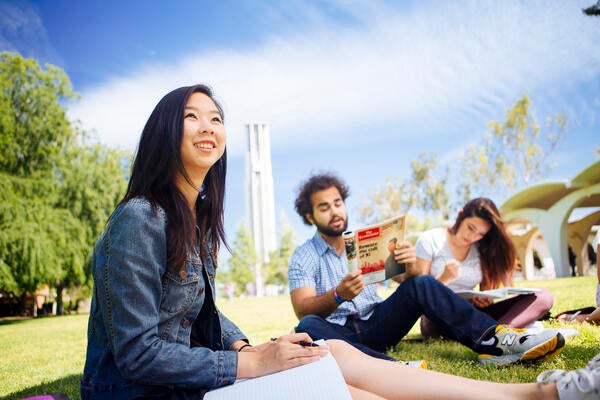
415	363
512	345
581	384
566	332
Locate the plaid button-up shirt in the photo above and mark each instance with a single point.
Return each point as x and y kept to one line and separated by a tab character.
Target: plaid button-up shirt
316	264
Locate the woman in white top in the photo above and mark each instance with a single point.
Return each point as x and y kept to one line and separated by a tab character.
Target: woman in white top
476	250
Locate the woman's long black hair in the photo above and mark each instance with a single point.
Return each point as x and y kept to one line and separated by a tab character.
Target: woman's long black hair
158	160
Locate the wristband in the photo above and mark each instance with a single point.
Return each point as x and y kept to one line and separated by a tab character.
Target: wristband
338	299
246	345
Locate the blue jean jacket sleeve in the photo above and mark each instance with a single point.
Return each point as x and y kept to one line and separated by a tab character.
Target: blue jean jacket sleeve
230	332
146	312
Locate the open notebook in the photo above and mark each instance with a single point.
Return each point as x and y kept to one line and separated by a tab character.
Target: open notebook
500	293
318	380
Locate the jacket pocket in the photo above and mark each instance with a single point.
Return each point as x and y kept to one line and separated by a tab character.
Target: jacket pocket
180	288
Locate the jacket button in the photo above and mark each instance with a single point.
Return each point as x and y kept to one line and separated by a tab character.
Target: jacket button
185	323
201	290
183	274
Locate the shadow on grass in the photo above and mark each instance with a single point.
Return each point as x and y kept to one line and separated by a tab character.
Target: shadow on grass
13	320
20	320
68	385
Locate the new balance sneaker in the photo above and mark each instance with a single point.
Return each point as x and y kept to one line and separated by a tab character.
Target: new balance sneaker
581	384
415	363
511	345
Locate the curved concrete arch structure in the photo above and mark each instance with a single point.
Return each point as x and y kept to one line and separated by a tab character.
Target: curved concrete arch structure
541	212
580	236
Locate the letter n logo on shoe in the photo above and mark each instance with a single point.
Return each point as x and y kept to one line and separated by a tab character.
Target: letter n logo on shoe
508	340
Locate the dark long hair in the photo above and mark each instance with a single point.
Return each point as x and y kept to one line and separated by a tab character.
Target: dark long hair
496	250
158	160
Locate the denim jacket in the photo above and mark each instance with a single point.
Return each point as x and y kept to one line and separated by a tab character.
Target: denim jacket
153	330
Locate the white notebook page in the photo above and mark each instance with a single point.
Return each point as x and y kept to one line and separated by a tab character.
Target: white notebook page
318	380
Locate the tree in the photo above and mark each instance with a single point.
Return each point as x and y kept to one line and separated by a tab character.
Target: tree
243	259
275	272
424	192
57	189
429	185
513	153
33	131
593	10
37	241
33	125
388	200
90	179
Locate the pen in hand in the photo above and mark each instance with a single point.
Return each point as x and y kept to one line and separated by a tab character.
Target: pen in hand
302	343
572	317
307	344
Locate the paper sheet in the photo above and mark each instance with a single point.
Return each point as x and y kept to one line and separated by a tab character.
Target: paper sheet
318	380
499	293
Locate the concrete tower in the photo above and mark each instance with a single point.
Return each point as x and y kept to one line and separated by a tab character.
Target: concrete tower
260	202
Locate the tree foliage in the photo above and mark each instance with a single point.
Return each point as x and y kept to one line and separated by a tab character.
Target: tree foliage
512	154
275	272
90	180
242	261
425	192
33	125
57	189
240	267
593	10
39	243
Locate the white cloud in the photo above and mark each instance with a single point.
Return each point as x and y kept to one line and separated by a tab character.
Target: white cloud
464	62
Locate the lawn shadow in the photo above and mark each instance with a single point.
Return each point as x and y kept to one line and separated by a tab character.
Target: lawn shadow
13	320
21	319
68	385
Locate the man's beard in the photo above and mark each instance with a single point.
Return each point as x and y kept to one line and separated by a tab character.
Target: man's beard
327	231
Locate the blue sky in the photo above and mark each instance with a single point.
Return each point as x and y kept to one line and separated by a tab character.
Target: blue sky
359	88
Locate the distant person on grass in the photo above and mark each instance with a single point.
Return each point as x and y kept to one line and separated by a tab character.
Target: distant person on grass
477	251
154	329
587	314
333	303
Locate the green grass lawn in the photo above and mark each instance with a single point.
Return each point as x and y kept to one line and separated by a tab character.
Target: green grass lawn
46	355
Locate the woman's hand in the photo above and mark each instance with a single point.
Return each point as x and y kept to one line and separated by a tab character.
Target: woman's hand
278	355
451	271
482	302
405	253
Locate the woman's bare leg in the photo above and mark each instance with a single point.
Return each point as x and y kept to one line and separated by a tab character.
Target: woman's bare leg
358	394
391	380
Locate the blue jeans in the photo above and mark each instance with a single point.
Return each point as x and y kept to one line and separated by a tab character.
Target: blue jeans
393	318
